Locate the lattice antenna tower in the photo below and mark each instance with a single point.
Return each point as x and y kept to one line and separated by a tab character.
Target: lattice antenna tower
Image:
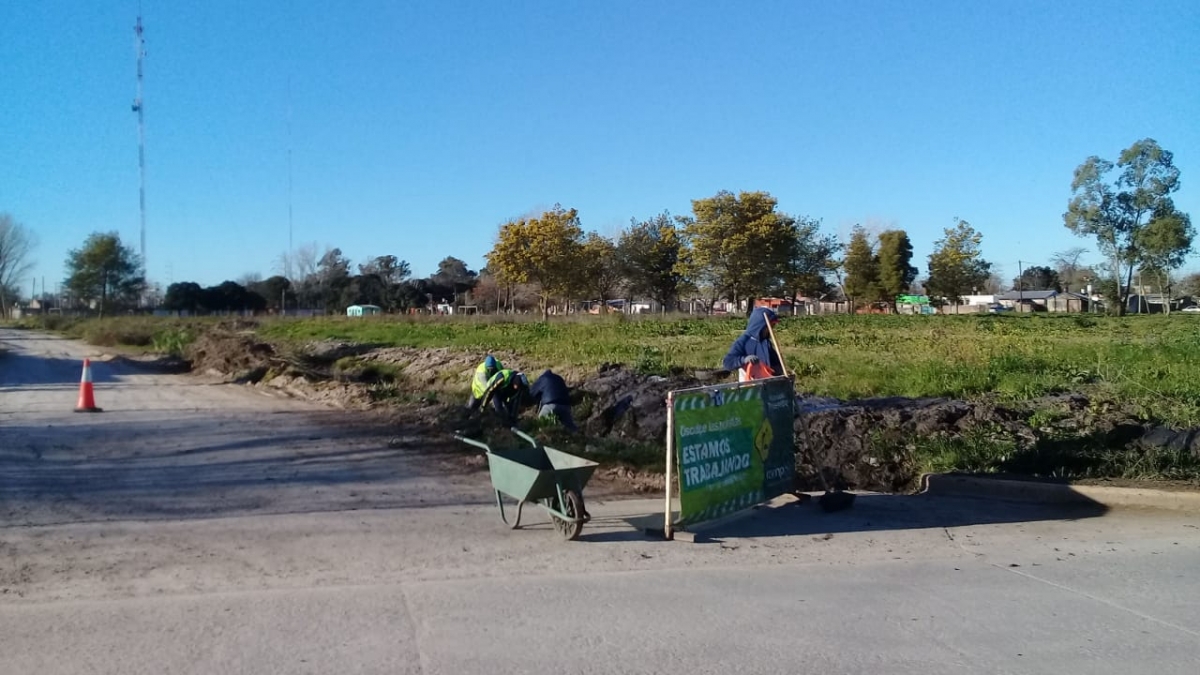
140	46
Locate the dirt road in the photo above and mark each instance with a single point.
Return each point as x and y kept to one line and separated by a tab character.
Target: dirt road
196	527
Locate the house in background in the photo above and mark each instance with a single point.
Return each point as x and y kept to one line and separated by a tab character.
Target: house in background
1149	303
362	310
1045	301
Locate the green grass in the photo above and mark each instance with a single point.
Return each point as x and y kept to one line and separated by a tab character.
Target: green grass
1066	459
1151	361
135	333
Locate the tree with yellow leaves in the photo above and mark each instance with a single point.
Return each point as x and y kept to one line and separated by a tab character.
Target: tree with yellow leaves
739	244
545	251
599	273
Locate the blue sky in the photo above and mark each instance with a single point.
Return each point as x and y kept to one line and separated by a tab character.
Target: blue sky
416	128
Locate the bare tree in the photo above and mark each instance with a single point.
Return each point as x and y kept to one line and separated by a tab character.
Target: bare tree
16	243
249	279
1069	265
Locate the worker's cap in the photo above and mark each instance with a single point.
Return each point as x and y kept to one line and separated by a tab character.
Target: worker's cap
490	361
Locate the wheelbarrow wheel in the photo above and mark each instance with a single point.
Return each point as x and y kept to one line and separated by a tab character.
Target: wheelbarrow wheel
572	506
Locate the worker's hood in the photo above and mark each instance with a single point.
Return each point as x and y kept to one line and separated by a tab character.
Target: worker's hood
758	321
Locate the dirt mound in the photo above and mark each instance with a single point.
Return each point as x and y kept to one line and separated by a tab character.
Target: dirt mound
441	366
627	404
232	353
864	444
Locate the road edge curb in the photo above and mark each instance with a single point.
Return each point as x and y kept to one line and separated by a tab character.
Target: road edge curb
1058	493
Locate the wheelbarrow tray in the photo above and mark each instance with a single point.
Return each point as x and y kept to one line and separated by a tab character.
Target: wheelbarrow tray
529	474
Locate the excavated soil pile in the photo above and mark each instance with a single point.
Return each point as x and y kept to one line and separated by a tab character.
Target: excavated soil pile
626	404
868	444
430	367
862	444
231	352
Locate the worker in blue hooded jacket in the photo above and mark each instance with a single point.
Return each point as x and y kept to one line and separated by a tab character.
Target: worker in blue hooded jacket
752	354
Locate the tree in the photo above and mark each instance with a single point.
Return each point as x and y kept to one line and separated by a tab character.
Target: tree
454	274
860	268
599	268
230	296
381	278
649	253
896	271
811	259
1037	278
1190	285
738	243
1164	244
1072	273
956	267
1118	213
994	284
105	272
184	296
543	251
276	290
388	268
16	243
333	276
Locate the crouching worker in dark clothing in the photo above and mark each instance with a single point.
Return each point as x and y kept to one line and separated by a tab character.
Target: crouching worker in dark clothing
506	390
550	393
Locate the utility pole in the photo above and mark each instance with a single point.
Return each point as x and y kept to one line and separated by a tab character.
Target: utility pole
140	46
1020	287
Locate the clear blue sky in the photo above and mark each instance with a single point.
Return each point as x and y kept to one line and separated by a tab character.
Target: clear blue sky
418	127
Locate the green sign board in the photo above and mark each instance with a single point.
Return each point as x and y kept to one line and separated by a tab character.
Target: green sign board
733	446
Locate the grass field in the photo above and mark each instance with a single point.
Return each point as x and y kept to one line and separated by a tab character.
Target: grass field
1153	361
1148	361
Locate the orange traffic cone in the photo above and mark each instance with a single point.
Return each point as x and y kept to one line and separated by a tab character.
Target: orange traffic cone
87	401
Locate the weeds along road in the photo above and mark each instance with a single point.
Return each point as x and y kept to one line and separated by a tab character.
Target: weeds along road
194	527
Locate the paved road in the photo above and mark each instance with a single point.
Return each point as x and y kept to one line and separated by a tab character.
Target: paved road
204	528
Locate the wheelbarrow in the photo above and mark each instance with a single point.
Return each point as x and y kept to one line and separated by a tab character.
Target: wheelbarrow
551	478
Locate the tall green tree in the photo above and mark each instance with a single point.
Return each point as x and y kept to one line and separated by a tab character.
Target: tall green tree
543	251
812	257
860	269
1117	212
184	296
276	290
1037	278
105	272
333	277
454	274
956	266
1164	244
650	252
600	275
738	244
896	271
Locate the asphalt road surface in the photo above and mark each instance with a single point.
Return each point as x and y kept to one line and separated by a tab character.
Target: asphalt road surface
196	527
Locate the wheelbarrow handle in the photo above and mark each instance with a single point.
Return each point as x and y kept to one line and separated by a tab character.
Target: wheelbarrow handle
532	441
471	441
